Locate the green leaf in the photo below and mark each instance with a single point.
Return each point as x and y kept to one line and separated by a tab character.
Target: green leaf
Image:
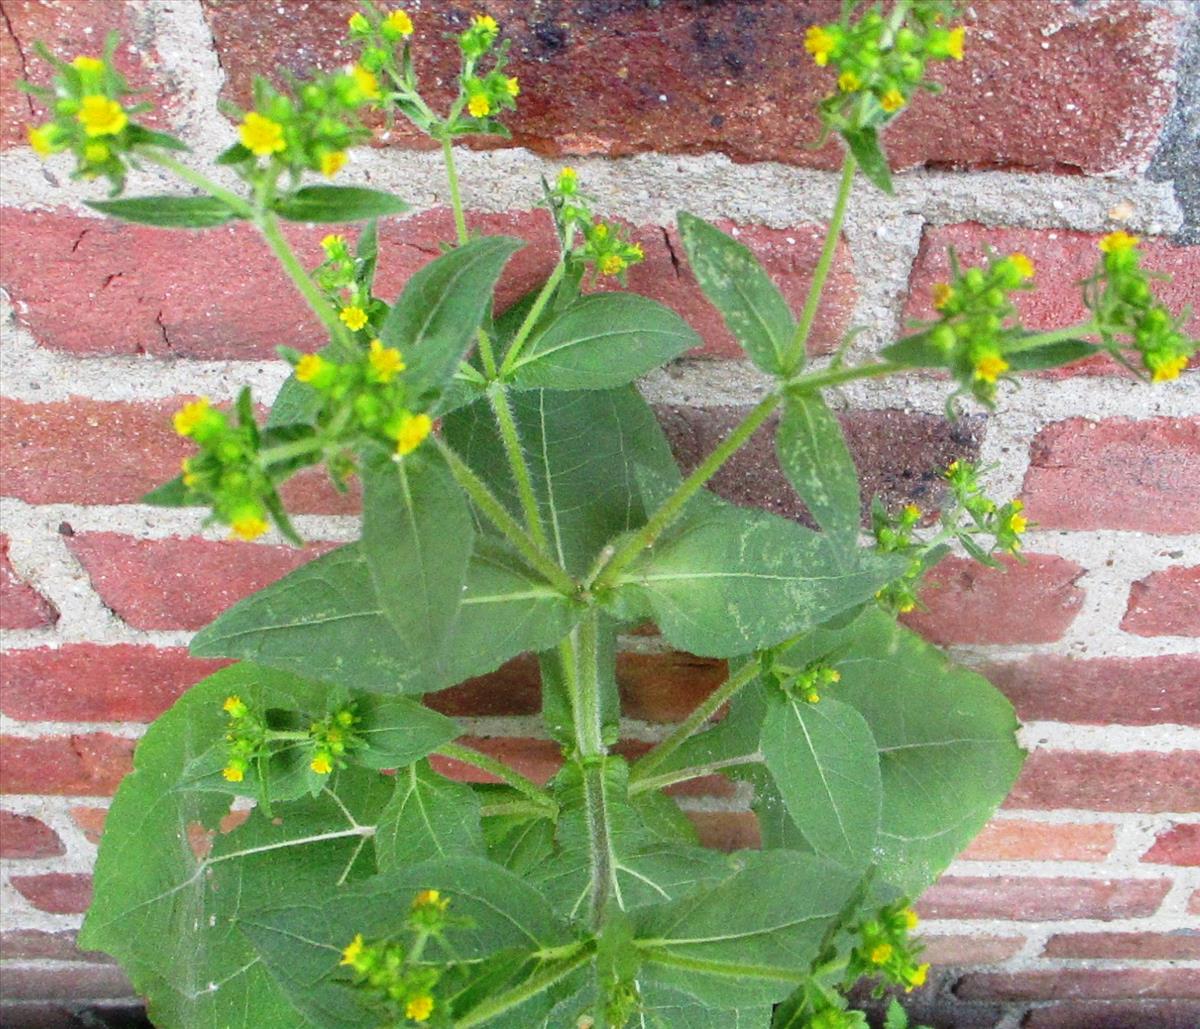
139	135
814	456
170	494
518	842
775	825
173	918
433	322
584	449
338	204
730	580
168	212
917	351
748	940
398	731
667	1008
1052	355
946	738
865	146
825	764
733	280
429	815
601	341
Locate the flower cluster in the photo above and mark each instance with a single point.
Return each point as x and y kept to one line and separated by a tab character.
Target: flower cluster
805	683
488	94
332	737
604	246
91	117
895	536
246	737
1005	523
879	66
1120	296
388	969
342	278
884	948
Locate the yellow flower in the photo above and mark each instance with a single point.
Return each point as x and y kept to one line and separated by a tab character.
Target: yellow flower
419	1008
989	367
235	771
334	241
96	153
1022	264
568	178
413	430
43	139
813	697
431	899
190	478
189	417
485	22
321	764
943	293
352	951
848	82
512	86
101	116
261	136
367	83
917	977
358	23
892	100
385	361
479	106
1116	242
398	22
906	606
353	317
88	65
820	43
954	45
1017	522
910	919
833	675
912	511
234	707
248	527
1166	369
332	162
880	954
309	367
612	264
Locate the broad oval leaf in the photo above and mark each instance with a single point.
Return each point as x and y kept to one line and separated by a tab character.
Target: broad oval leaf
168	212
814	456
733	280
601	341
428	816
338	204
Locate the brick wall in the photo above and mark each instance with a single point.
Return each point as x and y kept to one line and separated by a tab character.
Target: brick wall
1079	904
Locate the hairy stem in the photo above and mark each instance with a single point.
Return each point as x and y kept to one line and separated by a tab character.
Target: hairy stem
535	312
470	756
502	409
537	983
460	221
1042	339
661	782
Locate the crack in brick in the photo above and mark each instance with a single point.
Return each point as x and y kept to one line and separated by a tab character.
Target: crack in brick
75	245
8	25
162	328
671	251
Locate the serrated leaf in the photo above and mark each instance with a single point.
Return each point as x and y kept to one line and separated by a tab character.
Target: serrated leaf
602	341
813	455
168	212
428	816
337	204
733	280
865	146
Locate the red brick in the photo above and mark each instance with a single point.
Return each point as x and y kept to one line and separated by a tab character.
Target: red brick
21	606
734	78
1137	1014
1178	845
78	982
1103	691
1142	476
1180	945
38	943
1025	840
85	764
90	821
1033	600
1165	603
106	452
969	950
87	682
23	836
1080	983
1144	781
1062	258
726	830
1035	899
1194	903
59	893
180	583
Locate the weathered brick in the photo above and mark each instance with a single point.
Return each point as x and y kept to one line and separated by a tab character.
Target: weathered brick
1177	845
39	943
84	764
1062	258
88	682
23	836
899	455
1115	1015
944	950
726	830
1194	903
90	821
76	983
1027	840
627	78
59	893
1103	691
1081	983
1035	899
180	583
21	606
1033	600
1146	781
1165	603
1179	945
1141	476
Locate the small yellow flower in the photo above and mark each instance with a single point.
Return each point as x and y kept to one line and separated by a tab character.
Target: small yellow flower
234	772
431	899
943	293
334	241
479	106
309	367
485	22
101	116
892	100
1017	522
910	919
813	697
261	136
635	252
880	954
88	65
989	367
353	950
820	43
413	430
96	153
1022	264
234	707
43	139
357	22
912	511
907	606
954	45
385	362
367	83
1116	242
190	478
189	417
568	179
1166	369
848	82
399	23
917	977
353	317
248	527
332	162
321	764
511	86
419	1008
612	264
833	675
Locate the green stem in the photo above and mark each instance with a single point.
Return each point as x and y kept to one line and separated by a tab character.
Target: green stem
235	203
1041	339
661	782
470	756
589	724
837	376
606	574
535	312
286	451
702	713
460	221
502	409
795	356
537	983
498	515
